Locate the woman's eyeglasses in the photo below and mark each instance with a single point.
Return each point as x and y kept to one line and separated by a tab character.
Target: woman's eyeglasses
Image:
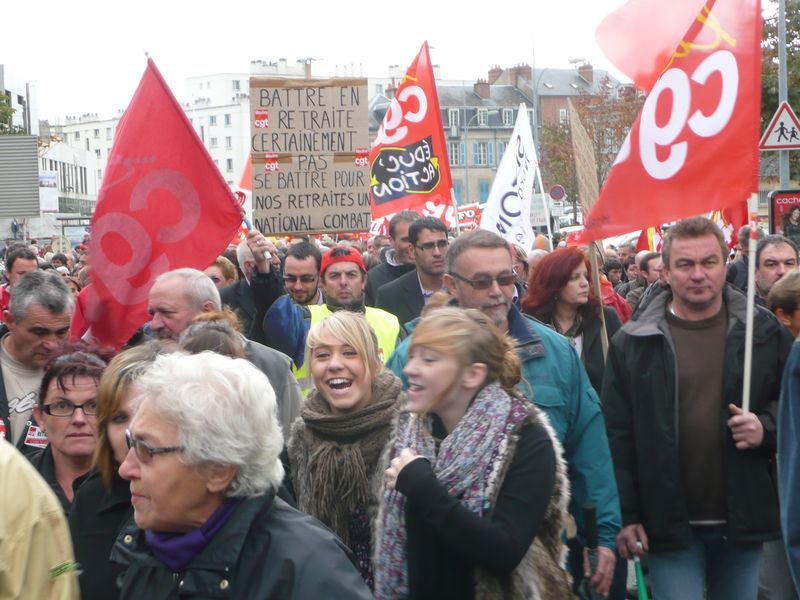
144	451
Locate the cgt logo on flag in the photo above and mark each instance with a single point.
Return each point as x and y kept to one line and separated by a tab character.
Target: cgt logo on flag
694	146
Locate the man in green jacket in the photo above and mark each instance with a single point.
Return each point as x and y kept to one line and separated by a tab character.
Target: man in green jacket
479	274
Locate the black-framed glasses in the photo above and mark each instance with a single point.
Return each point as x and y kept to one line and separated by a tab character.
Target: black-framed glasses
484	283
62	408
307	278
428	246
144	451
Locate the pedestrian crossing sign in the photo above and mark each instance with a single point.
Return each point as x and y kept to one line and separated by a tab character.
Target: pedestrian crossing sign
783	132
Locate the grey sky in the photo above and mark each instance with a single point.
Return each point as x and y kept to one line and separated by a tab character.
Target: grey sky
87	55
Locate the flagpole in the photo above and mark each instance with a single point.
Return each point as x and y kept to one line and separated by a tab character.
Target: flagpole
544	200
751	303
455	211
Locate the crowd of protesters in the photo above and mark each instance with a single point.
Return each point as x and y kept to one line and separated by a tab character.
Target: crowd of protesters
419	415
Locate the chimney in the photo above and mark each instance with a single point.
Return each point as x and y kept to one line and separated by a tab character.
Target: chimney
526	72
586	72
494	74
482	89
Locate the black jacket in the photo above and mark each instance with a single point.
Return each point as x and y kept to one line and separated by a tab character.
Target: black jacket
402	297
250	301
640	398
266	550
95	520
381	275
592	357
42	461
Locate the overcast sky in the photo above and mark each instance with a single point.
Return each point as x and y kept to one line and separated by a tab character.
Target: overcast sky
88	55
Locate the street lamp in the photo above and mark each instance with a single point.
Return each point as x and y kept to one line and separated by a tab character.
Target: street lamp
466	148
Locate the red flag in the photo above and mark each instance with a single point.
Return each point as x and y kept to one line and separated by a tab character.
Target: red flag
163	205
694	146
408	160
730	220
641	36
649	239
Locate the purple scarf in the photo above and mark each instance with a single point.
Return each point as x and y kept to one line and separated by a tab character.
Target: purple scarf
176	550
465	465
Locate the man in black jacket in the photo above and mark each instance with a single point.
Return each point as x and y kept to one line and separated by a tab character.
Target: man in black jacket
406	296
399	259
693	469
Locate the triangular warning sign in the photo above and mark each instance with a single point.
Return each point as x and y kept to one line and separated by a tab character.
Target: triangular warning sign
783	132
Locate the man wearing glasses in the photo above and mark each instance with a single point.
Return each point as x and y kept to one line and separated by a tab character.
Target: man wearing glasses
343	278
479	274
406	296
301	273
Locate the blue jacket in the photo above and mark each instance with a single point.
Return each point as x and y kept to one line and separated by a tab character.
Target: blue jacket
554	376
789	459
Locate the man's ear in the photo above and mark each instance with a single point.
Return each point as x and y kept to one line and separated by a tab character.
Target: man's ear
783	316
208	306
9	317
450	283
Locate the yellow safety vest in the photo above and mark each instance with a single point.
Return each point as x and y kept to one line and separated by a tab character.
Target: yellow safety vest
384	324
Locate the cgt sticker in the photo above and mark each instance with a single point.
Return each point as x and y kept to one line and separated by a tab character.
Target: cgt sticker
262	118
36	437
398	172
362	157
271	162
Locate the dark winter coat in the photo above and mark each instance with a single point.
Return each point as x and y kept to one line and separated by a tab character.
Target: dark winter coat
640	398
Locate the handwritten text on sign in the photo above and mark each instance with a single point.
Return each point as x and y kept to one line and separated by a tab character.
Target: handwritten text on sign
309	144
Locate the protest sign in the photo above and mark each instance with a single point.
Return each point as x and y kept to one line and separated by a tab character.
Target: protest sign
309	153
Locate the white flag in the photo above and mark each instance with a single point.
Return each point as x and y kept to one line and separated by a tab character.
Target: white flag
508	208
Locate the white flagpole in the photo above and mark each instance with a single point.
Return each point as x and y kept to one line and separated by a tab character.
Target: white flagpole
751	302
544	198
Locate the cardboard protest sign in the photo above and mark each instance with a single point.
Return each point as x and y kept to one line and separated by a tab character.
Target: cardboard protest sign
309	153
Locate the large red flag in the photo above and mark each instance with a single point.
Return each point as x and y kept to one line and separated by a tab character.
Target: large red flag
408	160
163	205
694	146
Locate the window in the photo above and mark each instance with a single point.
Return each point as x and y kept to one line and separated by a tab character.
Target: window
227	119
508	117
213	142
501	149
100	174
228	143
483	187
483	153
480	153
77	135
96	134
109	133
483	117
229	164
87	144
212	120
452	117
457	191
563	116
237	85
452	153
216	162
97	153
379	88
230	182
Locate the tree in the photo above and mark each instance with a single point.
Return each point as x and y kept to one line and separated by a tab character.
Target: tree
7	126
557	161
769	68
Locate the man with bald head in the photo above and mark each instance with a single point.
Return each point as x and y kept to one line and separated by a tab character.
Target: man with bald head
176	297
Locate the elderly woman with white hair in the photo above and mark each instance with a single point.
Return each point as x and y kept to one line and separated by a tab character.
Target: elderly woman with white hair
204	466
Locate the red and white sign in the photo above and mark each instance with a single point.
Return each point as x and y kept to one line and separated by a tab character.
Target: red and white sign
783	132
262	118
469	215
36	437
362	157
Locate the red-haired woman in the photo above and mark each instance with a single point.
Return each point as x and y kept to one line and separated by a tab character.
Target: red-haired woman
560	295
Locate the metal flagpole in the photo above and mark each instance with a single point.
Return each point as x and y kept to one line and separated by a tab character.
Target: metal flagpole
751	303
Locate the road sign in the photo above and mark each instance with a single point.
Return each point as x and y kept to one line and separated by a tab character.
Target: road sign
557	192
783	132
557	209
60	244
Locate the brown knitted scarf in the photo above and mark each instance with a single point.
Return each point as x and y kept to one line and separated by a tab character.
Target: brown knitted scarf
333	457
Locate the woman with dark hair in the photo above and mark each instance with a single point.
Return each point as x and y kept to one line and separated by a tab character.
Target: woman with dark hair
103	503
560	295
66	413
790	225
